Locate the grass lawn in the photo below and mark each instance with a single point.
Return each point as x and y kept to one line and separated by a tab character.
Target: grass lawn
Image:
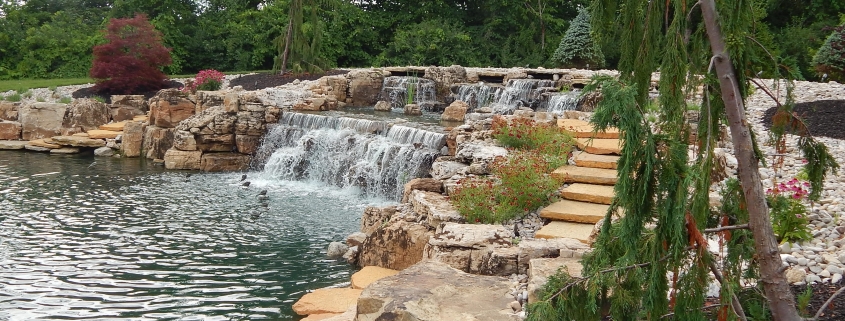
24	84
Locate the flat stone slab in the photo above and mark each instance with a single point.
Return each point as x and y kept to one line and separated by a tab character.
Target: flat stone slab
140	118
539	271
13	144
584	159
582	129
65	150
599	194
335	300
599	146
37	148
116	127
77	141
574	211
103	134
370	274
589	175
560	229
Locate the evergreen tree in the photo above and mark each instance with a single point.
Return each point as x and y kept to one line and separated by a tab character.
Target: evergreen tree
577	48
830	58
301	44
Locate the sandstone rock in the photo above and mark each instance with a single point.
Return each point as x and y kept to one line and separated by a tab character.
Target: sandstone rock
215	142
356	238
336	300
397	245
10	130
41	120
423	184
319	316
375	218
208	99
133	139
455	112
134	101
12	144
224	162
247	144
65	150
336	250
169	107
124	113
471	247
435	207
231	103
370	274
157	141
541	269
43	144
9	111
473	152
795	274
338	85
413	110
178	159
250	123
36	148
183	140
87	114
364	86
102	134
382	105
77	141
104	152
115	127
272	114
434	291
445	77
542	248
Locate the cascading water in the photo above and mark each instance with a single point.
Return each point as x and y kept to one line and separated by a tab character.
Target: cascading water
394	90
520	92
346	152
563	101
475	95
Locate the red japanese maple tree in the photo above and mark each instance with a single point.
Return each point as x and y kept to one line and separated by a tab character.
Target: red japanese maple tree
131	60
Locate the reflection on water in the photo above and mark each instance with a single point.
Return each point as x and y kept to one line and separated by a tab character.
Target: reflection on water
117	239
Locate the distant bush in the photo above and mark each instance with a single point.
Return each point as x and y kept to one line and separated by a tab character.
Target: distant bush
208	79
830	58
577	48
131	60
14	97
65	100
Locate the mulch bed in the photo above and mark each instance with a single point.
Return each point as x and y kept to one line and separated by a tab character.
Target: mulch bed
823	117
821	292
90	92
267	80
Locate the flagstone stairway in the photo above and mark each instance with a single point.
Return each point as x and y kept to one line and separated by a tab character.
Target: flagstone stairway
590	191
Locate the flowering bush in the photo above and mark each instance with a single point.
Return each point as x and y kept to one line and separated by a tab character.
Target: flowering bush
208	79
789	219
525	134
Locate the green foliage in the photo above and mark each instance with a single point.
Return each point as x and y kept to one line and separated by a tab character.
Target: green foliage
27	94
803	300
431	42
577	48
52	88
14	97
40	99
98	98
789	215
830	58
65	100
525	134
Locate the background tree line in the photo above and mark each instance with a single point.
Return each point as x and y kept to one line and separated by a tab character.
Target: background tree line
54	38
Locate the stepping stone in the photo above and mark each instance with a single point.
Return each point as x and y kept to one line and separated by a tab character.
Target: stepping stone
582	129
65	150
574	211
103	134
116	127
42	143
370	274
585	159
13	144
576	174
599	194
333	300
140	118
560	229
599	146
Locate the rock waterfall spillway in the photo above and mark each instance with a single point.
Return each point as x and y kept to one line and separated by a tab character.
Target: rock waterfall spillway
395	90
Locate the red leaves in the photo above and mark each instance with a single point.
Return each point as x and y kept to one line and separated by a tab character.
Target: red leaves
130	60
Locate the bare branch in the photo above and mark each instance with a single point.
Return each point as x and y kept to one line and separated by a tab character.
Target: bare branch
726	228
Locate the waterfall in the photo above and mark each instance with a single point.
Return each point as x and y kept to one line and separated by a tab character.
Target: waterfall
520	92
370	155
395	91
475	95
560	102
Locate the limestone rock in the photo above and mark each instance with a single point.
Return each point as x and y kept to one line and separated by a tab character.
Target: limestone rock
215	142
334	300
77	141
375	218
43	144
542	248
65	150
169	107
104	152
443	169
382	105
87	114
103	134
515	74
247	144
474	248
10	130
12	144
336	250
178	159
370	274
423	184
41	120
124	113
184	140
133	139
37	148
208	99
157	141
397	245
364	86
455	112
356	238
542	268
795	274
135	101
413	110
473	152
433	291
224	162
445	77
9	110
435	207
249	123
231	102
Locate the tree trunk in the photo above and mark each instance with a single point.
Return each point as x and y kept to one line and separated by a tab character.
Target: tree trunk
775	286
287	44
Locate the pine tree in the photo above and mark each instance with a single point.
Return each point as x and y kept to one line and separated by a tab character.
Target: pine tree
830	58
577	48
663	193
301	44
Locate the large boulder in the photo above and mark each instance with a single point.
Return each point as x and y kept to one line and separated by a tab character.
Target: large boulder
483	153
548	248
247	144
444	168
364	86
423	184
126	107
541	269
474	248
133	139
397	245
78	141
329	300
375	218
157	141
455	112
169	107
216	142
432	291
445	77
87	114
435	207
178	159
41	120
208	99
184	140
224	162
9	111
10	130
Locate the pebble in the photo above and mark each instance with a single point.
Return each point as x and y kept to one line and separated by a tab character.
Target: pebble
812	278
836	278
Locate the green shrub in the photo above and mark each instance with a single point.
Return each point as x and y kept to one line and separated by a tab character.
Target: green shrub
830	58
14	97
577	48
65	100
52	88
27	94
40	99
789	215
98	98
525	134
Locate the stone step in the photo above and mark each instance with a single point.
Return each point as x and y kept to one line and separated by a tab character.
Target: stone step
599	146
589	175
103	134
560	229
328	300
599	194
582	129
370	274
574	211
115	127
585	159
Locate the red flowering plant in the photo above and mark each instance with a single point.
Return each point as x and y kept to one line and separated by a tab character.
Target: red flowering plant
789	215
208	79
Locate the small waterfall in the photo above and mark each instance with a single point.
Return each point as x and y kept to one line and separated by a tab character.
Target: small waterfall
395	91
348	152
475	95
520	92
560	102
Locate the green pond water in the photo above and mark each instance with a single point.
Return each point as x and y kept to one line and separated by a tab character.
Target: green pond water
106	238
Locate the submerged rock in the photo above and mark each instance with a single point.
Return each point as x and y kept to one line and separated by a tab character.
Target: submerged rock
104	152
